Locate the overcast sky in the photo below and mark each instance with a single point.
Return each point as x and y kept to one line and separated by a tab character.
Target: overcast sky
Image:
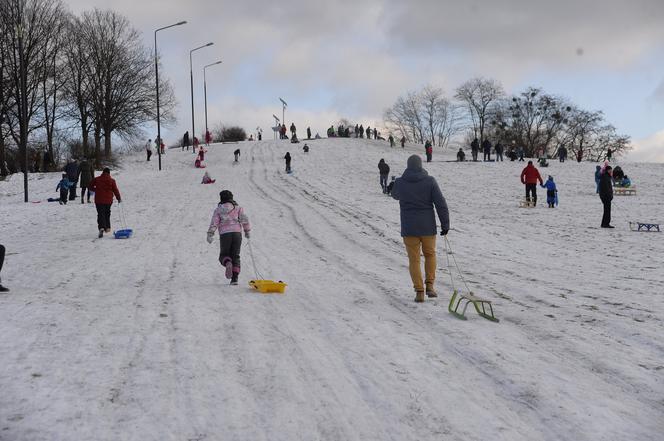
331	59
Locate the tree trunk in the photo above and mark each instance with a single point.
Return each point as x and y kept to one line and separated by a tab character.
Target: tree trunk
107	142
85	133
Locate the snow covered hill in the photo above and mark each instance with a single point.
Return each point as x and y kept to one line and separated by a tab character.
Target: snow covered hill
143	339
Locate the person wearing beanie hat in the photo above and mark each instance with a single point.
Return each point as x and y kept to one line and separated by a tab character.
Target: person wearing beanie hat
606	195
229	219
420	199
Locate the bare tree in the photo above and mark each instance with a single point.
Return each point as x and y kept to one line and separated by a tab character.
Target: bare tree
28	26
121	77
478	95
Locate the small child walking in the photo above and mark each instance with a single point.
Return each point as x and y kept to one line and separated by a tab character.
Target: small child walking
63	186
229	219
551	192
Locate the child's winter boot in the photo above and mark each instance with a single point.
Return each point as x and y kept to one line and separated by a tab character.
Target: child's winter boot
228	264
234	279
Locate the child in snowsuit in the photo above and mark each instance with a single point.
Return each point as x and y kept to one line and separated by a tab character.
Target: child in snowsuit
287	157
63	186
207	179
551	192
236	153
229	219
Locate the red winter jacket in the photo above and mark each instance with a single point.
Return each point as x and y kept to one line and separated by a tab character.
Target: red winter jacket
104	187
530	175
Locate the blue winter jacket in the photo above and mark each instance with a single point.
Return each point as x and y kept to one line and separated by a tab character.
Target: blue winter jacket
63	185
418	194
550	185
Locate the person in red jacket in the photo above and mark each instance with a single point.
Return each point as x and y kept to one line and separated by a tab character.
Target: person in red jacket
529	176
104	188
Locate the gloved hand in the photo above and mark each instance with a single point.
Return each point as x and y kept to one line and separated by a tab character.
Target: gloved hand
119	201
210	236
444	231
247	235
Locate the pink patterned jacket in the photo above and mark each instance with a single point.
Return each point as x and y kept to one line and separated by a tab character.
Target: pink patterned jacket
229	218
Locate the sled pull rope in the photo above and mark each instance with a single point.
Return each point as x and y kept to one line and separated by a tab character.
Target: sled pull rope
449	246
257	273
123	217
449	264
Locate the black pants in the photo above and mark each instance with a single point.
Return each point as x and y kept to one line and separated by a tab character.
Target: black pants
288	169
63	196
499	156
149	154
474	153
428	157
83	189
103	216
606	217
487	156
230	245
72	191
2	256
383	182
531	188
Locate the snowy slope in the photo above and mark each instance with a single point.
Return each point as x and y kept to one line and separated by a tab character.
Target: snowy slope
143	339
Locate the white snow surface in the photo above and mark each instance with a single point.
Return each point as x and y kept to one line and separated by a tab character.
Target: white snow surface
143	339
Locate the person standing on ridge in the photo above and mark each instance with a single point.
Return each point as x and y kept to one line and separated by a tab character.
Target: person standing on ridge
606	195
419	195
428	149
474	149
308	132
86	175
486	148
403	142
293	130
185	141
529	177
148	149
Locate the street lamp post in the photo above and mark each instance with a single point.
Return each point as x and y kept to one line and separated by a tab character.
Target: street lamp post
156	74
283	111
205	94
191	76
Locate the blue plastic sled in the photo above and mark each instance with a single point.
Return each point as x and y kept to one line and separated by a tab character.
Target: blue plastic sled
123	234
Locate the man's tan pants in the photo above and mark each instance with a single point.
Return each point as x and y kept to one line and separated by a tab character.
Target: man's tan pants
416	245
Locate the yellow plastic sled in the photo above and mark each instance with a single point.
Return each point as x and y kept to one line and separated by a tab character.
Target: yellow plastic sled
268	286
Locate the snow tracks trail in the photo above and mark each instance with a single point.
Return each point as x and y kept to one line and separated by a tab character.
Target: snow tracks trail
143	339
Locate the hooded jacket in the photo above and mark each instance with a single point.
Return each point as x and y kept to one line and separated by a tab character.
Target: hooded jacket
383	168
229	218
530	175
105	187
418	194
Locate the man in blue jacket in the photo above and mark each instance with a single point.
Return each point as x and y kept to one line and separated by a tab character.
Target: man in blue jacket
418	194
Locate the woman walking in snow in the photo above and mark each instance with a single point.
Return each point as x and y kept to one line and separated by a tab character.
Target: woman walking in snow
229	219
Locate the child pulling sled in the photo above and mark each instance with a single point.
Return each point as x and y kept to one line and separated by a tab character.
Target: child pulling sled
229	219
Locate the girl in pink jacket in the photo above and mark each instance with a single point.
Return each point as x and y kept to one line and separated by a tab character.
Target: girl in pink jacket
229	219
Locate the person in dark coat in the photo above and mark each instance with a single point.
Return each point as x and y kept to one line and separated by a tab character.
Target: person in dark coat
461	156
185	140
86	174
391	139
293	130
305	149
499	151
105	188
308	132
486	147
428	149
520	152
375	133
420	199
475	148
403	142
562	154
72	174
361	131
384	171
606	195
287	157
2	261
236	153
579	155
609	154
